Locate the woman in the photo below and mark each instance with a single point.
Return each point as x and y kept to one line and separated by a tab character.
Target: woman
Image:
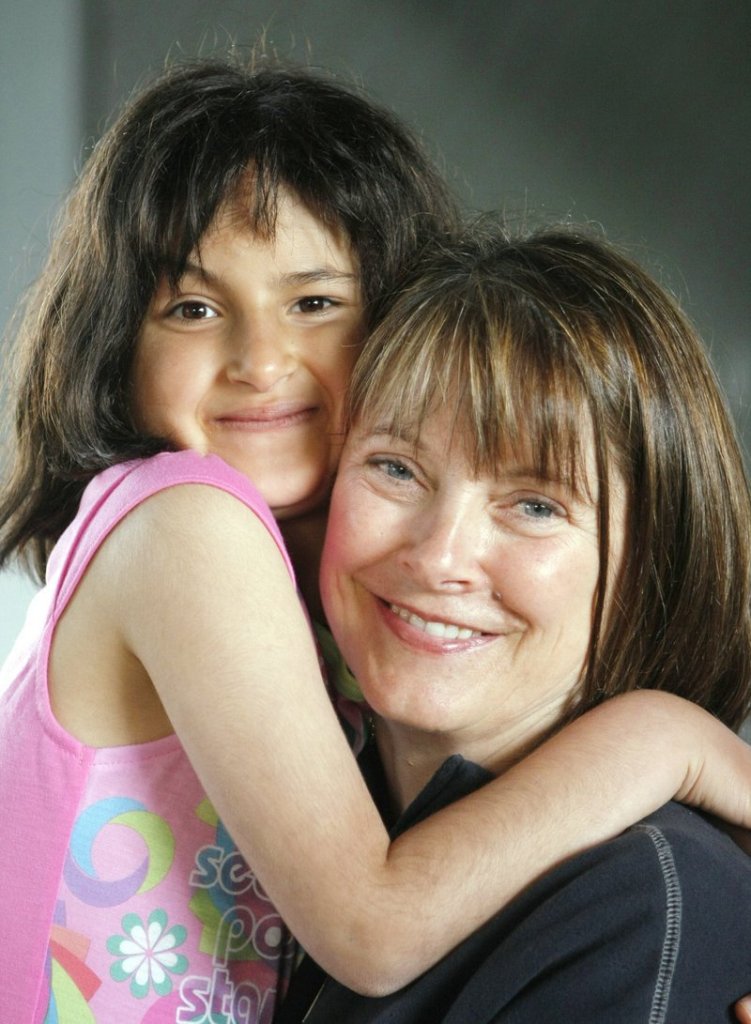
562	516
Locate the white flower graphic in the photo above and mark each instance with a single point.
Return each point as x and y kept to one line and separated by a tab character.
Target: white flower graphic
147	953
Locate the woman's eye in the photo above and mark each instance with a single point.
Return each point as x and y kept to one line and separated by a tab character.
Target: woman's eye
314	304
193	311
536	509
394	469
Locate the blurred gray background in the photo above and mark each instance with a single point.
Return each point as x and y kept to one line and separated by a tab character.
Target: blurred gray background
634	115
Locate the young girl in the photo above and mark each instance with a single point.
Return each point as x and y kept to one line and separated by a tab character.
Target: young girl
204	300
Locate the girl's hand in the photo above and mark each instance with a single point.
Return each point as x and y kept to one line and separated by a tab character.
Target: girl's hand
743	1010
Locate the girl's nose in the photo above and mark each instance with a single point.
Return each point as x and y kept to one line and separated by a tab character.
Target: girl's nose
260	355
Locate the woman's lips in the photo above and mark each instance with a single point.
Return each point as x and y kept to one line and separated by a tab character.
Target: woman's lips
433	636
435	627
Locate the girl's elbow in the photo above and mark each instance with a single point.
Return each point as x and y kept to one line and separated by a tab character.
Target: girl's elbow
378	968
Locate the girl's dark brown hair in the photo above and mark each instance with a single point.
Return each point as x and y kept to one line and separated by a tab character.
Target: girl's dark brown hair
535	338
204	133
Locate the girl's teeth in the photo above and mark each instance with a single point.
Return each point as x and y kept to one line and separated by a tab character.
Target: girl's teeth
447	630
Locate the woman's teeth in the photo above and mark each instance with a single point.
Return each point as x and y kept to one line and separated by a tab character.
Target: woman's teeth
447	630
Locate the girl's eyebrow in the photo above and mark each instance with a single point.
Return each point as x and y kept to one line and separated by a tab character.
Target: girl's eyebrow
294	278
176	275
319	274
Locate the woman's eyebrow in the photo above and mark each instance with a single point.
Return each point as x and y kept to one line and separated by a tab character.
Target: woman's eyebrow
404	432
578	488
528	471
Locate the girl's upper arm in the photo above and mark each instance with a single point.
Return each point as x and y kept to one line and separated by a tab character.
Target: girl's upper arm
205	602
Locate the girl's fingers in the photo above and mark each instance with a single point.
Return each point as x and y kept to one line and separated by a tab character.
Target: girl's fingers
743	1010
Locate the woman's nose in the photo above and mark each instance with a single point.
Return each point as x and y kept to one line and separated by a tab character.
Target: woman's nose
445	549
260	355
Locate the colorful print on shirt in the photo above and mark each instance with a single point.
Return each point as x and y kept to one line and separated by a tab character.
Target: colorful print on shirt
144	936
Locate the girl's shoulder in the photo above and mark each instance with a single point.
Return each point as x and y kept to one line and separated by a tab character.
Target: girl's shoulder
136	480
118	490
151	537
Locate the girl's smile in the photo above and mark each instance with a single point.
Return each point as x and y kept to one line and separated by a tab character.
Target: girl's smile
278	416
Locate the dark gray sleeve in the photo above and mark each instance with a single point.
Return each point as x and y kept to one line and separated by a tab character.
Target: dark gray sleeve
652	927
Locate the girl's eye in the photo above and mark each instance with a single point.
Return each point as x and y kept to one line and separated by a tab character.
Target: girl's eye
314	304
193	310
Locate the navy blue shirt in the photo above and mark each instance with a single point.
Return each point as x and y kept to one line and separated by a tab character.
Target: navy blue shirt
652	927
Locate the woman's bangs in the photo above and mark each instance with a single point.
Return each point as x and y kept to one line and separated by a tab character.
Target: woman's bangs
535	412
513	397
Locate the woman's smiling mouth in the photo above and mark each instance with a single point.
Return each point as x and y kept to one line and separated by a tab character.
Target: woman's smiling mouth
445	630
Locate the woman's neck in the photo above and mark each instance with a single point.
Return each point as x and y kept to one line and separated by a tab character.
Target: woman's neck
407	765
411	757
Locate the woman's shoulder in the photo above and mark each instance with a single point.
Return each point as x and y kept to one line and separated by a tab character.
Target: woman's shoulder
674	860
652	924
685	842
694	883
